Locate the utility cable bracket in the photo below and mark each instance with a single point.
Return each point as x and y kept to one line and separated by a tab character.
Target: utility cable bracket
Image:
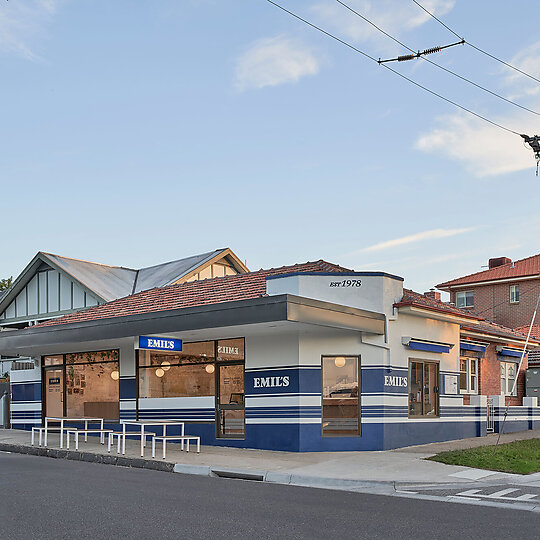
534	143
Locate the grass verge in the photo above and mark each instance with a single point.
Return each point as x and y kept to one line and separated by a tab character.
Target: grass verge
522	457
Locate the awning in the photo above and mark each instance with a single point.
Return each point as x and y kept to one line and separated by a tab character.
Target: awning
507	351
426	345
473	346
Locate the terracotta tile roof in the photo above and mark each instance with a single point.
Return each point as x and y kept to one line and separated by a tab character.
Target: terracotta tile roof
523	268
193	293
492	328
412	298
535	333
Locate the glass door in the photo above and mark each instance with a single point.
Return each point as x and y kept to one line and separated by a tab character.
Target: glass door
230	407
54	392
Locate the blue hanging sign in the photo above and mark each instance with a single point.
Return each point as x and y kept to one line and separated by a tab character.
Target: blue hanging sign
160	343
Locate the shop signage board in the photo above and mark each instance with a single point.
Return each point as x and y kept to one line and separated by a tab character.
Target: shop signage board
154	343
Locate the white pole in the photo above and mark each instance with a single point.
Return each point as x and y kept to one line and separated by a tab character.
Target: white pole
519	367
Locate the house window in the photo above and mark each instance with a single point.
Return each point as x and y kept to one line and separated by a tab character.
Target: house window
508	376
465	299
423	388
468	375
514	294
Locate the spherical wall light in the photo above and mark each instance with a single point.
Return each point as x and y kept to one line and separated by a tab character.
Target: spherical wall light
115	375
165	366
210	368
159	372
340	361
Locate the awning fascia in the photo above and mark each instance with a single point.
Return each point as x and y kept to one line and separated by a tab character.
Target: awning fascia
426	345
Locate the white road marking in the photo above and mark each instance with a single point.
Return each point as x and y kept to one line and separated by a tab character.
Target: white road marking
469	492
501	494
526	497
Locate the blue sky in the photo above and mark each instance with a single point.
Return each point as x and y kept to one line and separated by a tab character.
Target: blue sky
136	132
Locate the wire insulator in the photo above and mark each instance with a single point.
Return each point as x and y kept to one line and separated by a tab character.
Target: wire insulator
431	51
406	57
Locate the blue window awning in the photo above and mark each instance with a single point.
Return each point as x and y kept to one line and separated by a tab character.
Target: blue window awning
426	345
472	346
506	351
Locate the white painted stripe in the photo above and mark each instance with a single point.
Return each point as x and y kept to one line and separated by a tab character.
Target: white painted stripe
284	401
385	400
128	405
200	402
253	421
27	406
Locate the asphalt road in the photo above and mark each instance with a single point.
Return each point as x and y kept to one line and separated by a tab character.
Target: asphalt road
43	498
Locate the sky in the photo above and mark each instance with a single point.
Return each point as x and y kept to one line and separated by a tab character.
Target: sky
137	132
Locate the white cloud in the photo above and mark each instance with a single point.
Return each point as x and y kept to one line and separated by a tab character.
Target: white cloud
392	16
275	61
528	60
484	149
432	234
21	22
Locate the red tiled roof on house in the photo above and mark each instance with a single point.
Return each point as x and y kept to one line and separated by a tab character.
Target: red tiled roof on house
535	333
412	298
193	293
523	268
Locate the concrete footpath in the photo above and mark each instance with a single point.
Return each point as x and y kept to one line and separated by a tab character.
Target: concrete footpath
385	472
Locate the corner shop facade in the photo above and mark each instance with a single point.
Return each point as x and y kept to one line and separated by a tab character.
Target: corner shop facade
309	361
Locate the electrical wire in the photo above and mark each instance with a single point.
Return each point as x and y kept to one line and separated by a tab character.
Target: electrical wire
435	63
475	47
440	96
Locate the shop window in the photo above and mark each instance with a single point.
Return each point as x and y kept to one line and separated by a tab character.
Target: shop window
423	388
88	380
176	381
465	299
508	376
92	390
468	375
514	294
340	396
229	350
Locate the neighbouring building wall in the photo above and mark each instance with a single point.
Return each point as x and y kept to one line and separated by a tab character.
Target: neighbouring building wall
492	302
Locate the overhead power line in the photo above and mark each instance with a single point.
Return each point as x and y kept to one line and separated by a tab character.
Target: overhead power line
475	47
427	51
425	88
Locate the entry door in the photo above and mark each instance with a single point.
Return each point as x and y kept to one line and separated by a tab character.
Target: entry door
54	392
230	407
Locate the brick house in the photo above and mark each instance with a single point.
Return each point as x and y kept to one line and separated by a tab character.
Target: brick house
506	293
489	353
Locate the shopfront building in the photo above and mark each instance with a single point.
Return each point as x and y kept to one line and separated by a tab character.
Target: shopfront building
301	358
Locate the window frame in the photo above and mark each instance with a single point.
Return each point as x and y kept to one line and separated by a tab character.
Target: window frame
438	405
514	293
504	377
465	293
468	372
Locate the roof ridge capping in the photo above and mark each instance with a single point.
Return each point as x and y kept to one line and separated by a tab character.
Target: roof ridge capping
85	261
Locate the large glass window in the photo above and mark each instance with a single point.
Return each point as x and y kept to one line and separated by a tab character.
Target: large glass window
88	386
340	396
423	388
508	376
189	373
465	299
468	375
